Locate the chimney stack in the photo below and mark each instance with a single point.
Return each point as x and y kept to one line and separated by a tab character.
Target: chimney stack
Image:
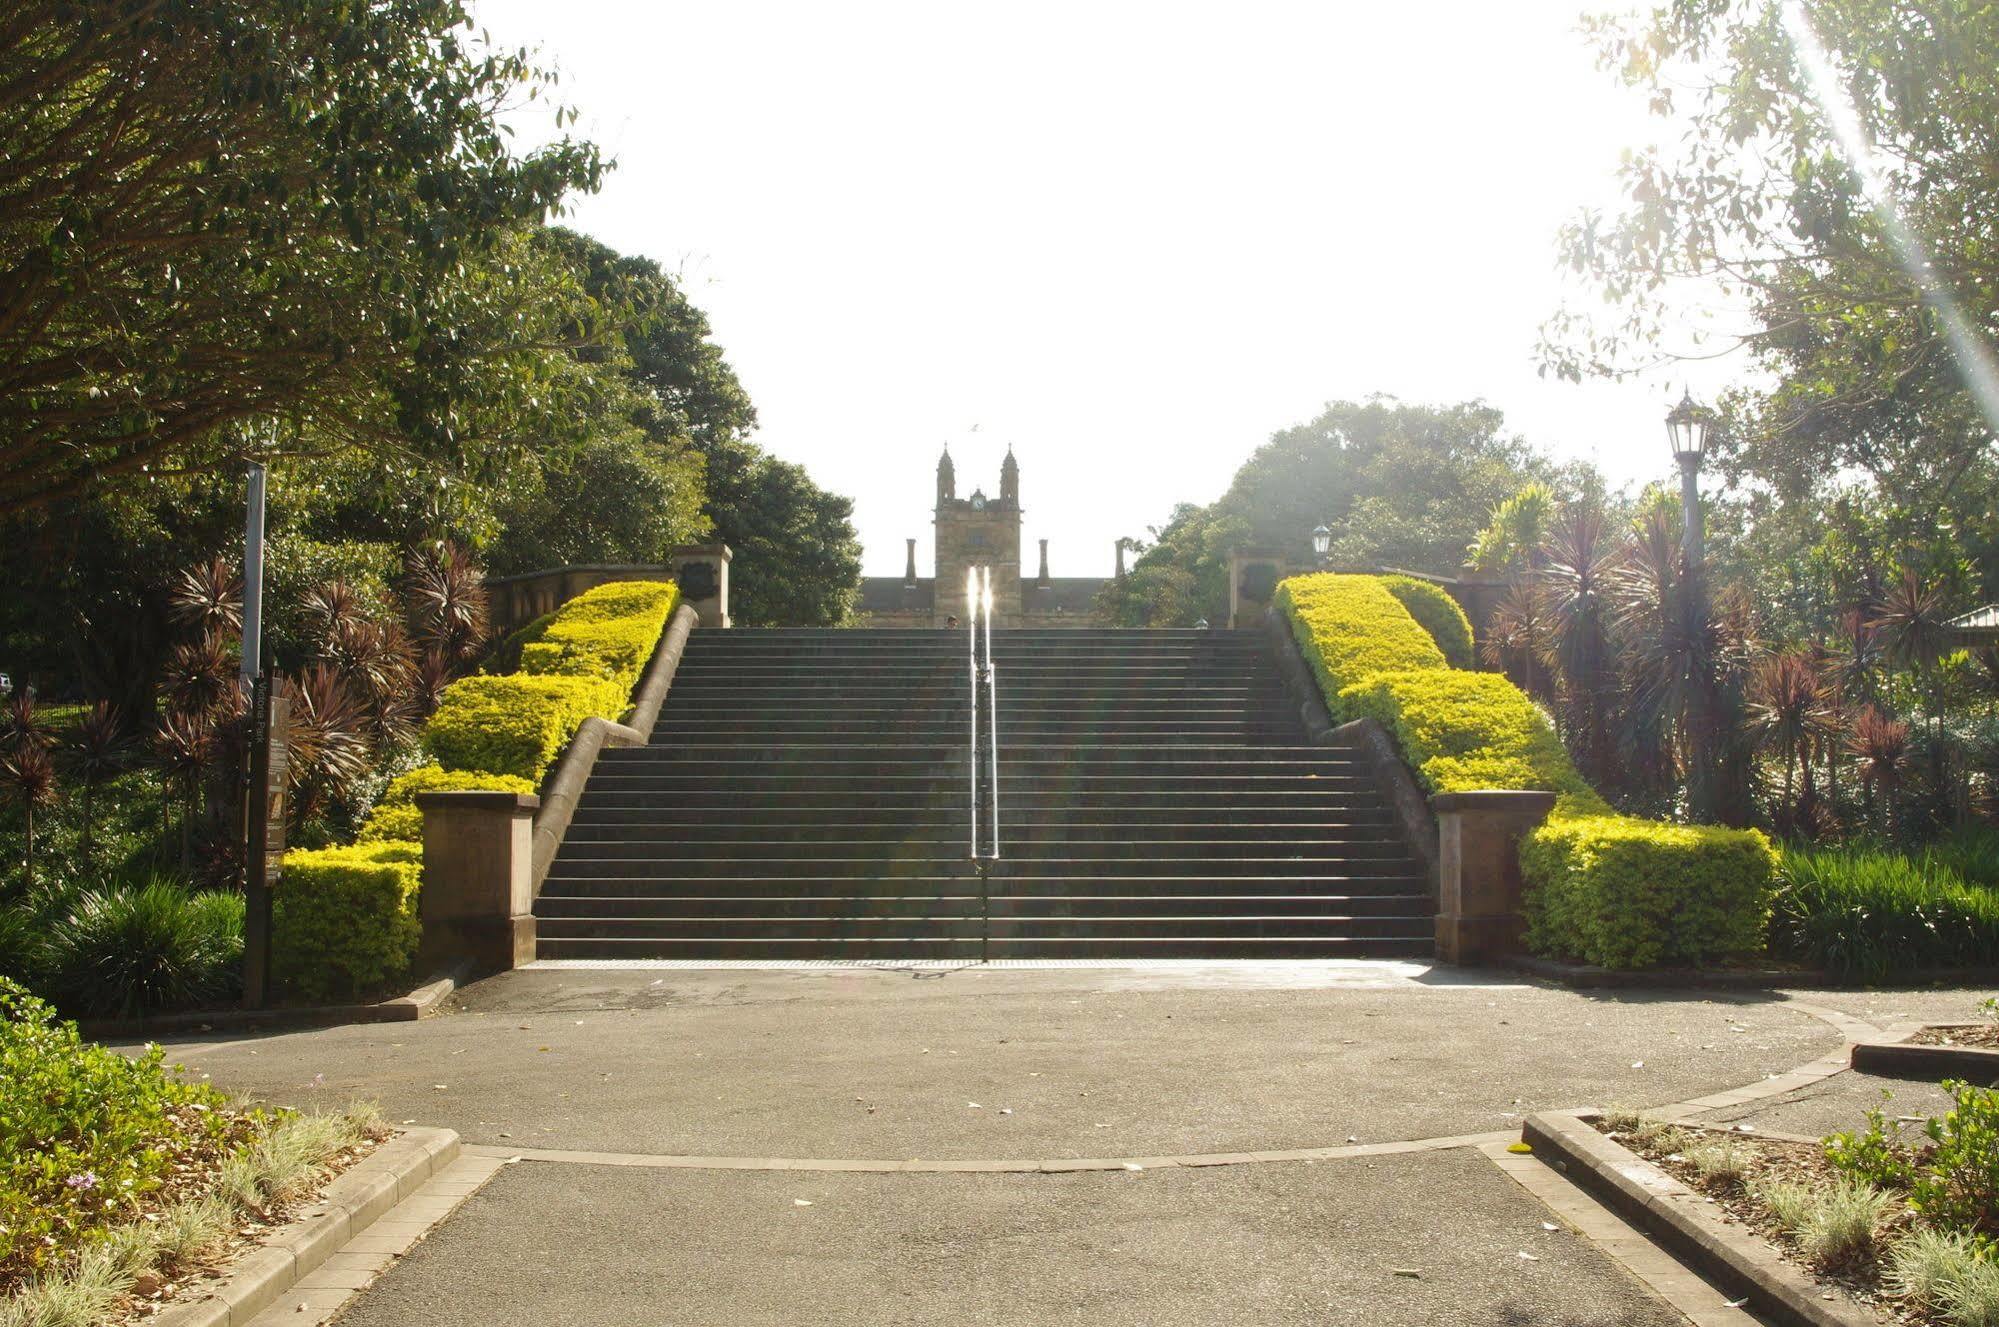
909	572
1120	559
1042	579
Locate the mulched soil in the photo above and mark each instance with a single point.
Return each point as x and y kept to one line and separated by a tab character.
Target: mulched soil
1782	1159
162	1290
1980	1036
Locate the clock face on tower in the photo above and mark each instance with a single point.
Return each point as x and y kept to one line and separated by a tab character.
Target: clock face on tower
978	502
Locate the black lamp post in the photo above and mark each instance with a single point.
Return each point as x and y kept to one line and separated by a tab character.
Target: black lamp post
1686	433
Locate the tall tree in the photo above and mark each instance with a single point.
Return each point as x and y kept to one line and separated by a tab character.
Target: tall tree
219	211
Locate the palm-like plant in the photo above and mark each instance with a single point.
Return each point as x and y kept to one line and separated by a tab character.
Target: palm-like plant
1880	749
1572	587
374	659
1516	639
207	599
445	598
1911	621
200	674
183	743
1793	712
28	777
326	738
23	726
98	752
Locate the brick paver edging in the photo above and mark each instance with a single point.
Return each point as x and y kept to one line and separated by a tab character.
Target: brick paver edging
350	1204
1684	1223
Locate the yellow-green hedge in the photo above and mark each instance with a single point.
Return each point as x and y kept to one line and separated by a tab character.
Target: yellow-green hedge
608	632
1629	893
344	920
1349	628
515	725
1438	613
1465	731
1602	887
396	817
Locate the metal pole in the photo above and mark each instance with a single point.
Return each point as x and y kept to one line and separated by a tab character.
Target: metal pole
253	578
972	658
1690	509
992	714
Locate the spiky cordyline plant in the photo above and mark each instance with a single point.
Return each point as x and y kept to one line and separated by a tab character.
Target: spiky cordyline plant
1879	745
374	659
1572	587
23	726
1793	710
327	737
184	745
1517	637
207	598
433	674
28	777
200	675
445	596
1911	621
99	752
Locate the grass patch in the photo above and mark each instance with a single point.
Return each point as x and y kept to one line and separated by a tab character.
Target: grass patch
1867	915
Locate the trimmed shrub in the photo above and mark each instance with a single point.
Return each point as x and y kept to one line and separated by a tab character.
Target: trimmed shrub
1628	893
515	725
1870	916
1349	628
142	949
85	1133
1464	731
344	920
396	818
1439	614
607	632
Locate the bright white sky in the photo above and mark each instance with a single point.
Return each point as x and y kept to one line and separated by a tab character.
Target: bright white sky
1132	239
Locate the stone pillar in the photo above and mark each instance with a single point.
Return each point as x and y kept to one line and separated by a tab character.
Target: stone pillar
703	573
1479	915
909	569
1253	578
1120	559
1042	579
478	887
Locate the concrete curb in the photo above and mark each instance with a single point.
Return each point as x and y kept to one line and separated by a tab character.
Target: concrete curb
1685	1224
1902	1059
351	1203
419	1003
1586	976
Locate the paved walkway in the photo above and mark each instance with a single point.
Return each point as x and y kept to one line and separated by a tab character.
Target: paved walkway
803	1146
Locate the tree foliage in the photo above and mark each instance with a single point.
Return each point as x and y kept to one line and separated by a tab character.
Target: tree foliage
1398	485
214	212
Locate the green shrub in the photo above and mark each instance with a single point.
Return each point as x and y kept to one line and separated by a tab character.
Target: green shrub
515	725
1628	893
85	1133
1439	614
1869	915
344	921
1349	628
150	948
396	818
1954	1180
1969	852
607	632
1834	1224
1465	731
23	946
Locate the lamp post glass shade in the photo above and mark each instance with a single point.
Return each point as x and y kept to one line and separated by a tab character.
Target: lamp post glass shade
1322	539
1686	431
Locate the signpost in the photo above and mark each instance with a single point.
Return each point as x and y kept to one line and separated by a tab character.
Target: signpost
264	816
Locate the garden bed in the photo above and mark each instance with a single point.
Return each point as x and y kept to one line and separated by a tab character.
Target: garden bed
1899	1227
122	1182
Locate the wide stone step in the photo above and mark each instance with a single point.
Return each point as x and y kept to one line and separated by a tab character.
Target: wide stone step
962	879
591	862
967	947
693	907
946	798
1019	843
1081	926
663	755
862	819
1017	829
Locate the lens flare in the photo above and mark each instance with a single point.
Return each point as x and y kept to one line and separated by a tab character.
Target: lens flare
1974	356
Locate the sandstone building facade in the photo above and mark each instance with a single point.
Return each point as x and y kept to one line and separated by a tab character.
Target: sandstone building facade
980	531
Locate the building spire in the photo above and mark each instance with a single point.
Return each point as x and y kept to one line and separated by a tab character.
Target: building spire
1010	478
947	477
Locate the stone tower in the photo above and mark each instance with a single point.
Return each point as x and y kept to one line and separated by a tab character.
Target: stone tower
979	531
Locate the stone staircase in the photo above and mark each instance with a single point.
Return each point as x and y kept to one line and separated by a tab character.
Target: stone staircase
805	796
